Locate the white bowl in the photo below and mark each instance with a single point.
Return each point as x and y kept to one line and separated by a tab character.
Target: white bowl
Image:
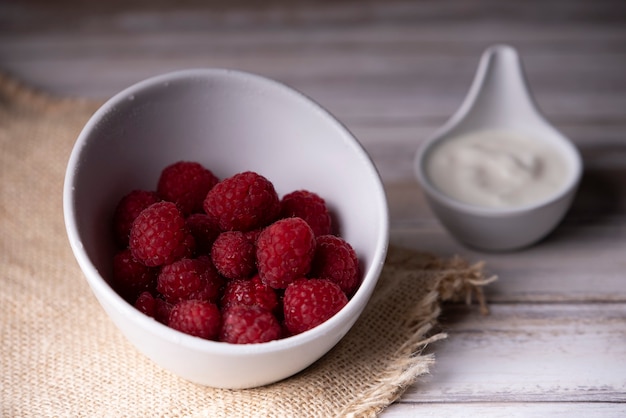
500	100
230	122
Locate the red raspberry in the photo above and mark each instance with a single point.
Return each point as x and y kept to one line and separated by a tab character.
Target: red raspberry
336	260
310	302
154	307
204	231
162	310
186	183
211	288
285	250
160	236
254	235
242	202
248	325
146	304
249	292
308	206
130	277
127	209
189	279
196	317
233	255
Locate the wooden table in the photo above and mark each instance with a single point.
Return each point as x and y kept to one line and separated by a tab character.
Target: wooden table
393	71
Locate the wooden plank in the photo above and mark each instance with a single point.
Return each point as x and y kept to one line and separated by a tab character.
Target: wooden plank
529	353
344	12
336	61
574	264
510	410
388	45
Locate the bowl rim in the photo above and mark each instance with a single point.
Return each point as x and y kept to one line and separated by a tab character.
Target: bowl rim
102	289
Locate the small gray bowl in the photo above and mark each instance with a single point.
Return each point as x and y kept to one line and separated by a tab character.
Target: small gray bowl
499	99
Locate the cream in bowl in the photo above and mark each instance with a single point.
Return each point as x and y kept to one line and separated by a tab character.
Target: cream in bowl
498	175
497	169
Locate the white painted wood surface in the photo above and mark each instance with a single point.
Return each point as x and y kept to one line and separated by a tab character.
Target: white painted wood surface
393	71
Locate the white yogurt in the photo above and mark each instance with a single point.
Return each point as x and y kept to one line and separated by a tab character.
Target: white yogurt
497	169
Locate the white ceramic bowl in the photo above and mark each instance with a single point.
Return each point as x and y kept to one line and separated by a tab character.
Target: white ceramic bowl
229	121
500	100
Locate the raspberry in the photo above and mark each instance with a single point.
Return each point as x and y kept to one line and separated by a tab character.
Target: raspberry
249	293
127	209
189	279
204	231
336	261
253	235
162	310
308	206
186	184
154	307
130	277
242	202
196	317
249	324
160	236
285	250
146	304
211	289
233	255
310	302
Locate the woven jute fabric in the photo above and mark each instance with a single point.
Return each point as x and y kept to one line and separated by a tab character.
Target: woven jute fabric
61	356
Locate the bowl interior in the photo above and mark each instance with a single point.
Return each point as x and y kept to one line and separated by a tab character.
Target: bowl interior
231	122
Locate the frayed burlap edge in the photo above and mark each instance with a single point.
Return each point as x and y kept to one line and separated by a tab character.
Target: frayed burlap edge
455	280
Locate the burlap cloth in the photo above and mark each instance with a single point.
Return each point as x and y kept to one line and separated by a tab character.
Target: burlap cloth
61	356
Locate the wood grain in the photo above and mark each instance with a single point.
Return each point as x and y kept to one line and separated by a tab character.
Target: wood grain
577	353
393	72
508	409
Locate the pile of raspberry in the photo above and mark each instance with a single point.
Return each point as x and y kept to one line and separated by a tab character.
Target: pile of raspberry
229	260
